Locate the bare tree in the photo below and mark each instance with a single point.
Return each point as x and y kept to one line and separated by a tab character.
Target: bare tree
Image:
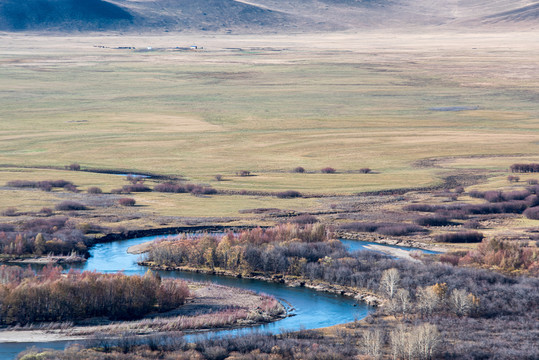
427	300
389	281
420	342
462	303
373	342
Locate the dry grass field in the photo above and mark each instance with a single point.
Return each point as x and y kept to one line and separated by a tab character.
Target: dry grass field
412	107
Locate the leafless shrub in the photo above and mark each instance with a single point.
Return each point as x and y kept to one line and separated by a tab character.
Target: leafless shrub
94	190
243	173
73	167
10	211
533	182
328	170
472	224
219	177
365	170
127	201
304	219
532	213
46	211
136	187
435	220
288	194
70	205
512	178
460	237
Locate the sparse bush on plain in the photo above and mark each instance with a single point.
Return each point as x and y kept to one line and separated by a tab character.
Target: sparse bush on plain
127	202
289	194
94	190
525	168
69	205
10	211
365	170
219	177
328	170
136	187
243	173
512	178
460	237
533	182
299	169
73	167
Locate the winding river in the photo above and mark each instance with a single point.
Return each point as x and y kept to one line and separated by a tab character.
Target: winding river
310	309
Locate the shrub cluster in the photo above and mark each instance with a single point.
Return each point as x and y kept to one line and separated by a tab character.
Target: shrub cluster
436	220
504	255
94	190
70	205
49	296
43	236
289	194
303	219
460	237
195	189
514	207
127	201
46	185
390	229
532	213
328	170
525	168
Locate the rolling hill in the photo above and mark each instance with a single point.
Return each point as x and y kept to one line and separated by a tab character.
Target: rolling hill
260	15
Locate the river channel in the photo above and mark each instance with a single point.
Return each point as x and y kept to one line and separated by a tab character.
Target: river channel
309	309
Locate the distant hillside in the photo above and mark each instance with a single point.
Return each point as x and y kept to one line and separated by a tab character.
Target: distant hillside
62	14
259	15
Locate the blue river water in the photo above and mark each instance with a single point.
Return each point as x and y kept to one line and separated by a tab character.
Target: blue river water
309	309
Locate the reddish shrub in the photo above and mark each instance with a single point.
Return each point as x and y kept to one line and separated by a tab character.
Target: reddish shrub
460	237
450	259
328	170
70	205
127	201
288	194
137	187
169	187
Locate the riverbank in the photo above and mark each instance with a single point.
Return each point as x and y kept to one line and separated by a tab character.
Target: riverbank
44	260
213	307
406	242
365	296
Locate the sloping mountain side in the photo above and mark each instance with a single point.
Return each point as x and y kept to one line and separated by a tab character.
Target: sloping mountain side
62	14
260	15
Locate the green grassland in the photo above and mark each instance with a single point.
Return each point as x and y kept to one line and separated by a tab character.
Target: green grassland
221	110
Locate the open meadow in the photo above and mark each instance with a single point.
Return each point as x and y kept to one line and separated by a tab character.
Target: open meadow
383	101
